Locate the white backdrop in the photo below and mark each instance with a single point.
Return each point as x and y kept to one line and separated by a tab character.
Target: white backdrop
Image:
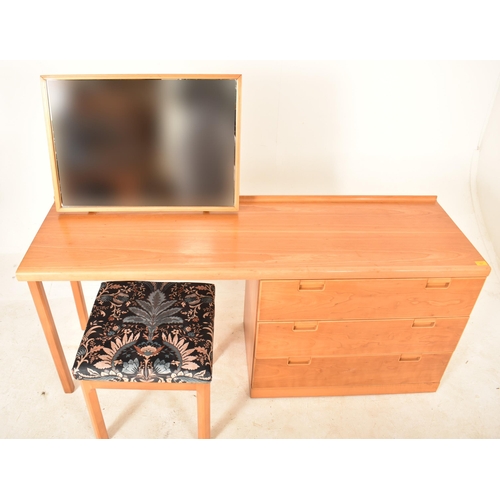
336	127
488	177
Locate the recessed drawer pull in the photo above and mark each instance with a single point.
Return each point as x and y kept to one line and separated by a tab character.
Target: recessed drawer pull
311	286
305	326
423	323
298	361
438	283
410	357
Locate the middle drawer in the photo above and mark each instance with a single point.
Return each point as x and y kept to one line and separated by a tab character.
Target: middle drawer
294	300
346	338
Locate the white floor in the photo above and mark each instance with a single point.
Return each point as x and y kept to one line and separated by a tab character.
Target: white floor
33	405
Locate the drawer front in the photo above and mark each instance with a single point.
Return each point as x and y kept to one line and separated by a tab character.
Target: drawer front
347	338
296	300
349	371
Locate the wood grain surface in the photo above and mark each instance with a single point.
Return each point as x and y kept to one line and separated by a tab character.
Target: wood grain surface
366	299
347	338
352	370
269	238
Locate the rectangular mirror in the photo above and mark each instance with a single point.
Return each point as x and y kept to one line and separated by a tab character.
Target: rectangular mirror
144	142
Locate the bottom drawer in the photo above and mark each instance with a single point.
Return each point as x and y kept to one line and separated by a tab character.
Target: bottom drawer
349	371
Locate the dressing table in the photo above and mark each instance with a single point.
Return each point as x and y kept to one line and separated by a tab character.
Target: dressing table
344	294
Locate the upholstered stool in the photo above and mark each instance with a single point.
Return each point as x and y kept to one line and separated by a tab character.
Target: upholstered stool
148	335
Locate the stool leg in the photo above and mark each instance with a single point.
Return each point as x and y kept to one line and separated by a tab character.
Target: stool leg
94	409
203	402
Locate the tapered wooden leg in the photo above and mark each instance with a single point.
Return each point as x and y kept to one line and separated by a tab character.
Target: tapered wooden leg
83	316
203	402
49	328
94	409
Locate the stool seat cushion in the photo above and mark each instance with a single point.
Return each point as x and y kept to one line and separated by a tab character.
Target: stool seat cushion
140	331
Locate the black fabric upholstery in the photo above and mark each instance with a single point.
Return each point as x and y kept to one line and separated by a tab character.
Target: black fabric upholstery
140	331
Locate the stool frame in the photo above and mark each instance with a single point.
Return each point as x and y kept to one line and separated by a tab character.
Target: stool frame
94	408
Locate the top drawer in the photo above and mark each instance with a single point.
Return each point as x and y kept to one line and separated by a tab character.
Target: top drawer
296	300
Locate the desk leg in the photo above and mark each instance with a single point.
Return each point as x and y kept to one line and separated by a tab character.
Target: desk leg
49	328
83	316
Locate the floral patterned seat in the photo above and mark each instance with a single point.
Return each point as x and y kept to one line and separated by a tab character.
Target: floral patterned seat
141	331
157	334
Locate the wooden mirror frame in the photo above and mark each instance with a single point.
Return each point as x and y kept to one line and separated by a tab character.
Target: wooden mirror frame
52	153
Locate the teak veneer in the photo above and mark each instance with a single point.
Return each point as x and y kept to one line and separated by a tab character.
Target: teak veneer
344	295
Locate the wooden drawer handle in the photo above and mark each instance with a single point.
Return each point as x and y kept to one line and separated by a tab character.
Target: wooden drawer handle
438	283
305	326
311	286
423	323
410	357
298	361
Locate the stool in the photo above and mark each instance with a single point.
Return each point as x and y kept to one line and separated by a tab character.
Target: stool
148	335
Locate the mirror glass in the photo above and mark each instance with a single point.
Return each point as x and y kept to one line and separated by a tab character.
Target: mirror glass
133	142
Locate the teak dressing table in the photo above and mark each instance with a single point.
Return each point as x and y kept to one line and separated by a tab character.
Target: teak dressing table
344	294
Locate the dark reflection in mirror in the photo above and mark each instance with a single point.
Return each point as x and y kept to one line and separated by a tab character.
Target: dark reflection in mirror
144	142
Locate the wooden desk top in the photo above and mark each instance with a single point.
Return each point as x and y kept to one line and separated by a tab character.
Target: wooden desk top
272	237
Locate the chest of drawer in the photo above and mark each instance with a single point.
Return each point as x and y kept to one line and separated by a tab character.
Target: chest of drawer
347	338
299	300
349	371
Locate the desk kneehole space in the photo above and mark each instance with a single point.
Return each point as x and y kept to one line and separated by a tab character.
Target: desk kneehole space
341	337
